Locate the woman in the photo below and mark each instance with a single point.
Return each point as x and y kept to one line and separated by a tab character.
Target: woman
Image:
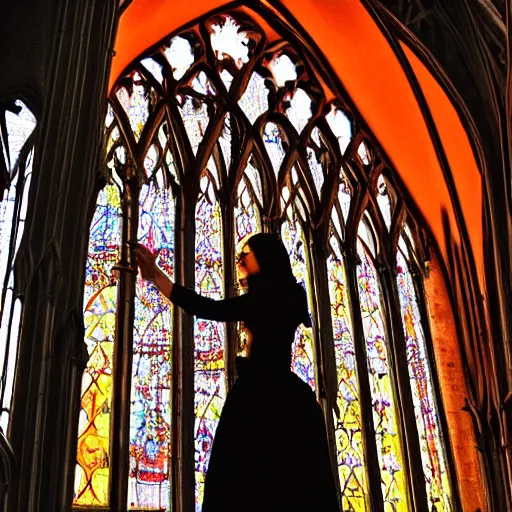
270	450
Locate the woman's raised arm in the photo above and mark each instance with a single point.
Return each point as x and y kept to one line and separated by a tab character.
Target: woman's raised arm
234	309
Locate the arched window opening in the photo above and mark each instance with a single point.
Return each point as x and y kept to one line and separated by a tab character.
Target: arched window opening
303	352
17	125
215	135
209	366
100	305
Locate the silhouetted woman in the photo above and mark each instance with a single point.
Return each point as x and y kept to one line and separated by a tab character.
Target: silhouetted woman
270	451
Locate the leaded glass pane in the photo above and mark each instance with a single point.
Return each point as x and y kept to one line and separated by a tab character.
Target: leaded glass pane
100	301
195	118
254	178
303	357
228	42
315	163
227	78
9	364
254	100
202	84
136	104
151	160
341	127
18	154
246	214
348	432
384	201
299	112
225	141
427	418
150	421
154	68
180	56
209	371
19	127
362	151
389	451
283	70
273	141
247	223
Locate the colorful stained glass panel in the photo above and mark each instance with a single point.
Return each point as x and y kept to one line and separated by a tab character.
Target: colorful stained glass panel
389	451
303	358
150	415
100	300
348	433
427	419
209	371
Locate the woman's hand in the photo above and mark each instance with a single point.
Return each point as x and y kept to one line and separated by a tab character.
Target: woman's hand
146	260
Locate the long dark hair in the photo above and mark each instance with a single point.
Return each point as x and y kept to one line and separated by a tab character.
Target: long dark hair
276	272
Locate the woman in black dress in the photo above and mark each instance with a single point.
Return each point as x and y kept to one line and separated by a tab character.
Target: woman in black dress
270	451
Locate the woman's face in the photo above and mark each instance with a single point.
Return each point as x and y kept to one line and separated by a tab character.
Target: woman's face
247	264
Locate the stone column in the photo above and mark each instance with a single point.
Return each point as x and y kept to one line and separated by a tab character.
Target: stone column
70	79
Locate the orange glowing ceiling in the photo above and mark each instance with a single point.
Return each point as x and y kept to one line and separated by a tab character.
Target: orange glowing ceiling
367	66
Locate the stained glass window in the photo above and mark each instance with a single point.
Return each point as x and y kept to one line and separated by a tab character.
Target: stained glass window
224	122
150	423
425	408
348	423
209	371
349	441
303	356
17	154
100	302
392	468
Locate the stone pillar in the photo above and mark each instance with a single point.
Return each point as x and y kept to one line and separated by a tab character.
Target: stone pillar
71	83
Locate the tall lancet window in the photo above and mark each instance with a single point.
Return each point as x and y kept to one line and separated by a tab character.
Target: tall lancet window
227	129
209	368
17	125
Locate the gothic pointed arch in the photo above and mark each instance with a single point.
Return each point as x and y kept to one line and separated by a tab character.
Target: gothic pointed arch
232	121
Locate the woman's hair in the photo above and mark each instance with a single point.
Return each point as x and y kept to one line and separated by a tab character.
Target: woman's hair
276	272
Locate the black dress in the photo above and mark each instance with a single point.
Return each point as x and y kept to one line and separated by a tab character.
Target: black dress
270	451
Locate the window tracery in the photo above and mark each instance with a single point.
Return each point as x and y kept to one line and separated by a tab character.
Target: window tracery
221	122
17	126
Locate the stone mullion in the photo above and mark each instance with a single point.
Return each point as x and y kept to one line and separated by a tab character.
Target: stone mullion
184	364
123	347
